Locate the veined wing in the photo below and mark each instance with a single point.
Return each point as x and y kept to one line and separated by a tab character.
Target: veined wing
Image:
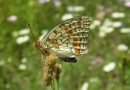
70	38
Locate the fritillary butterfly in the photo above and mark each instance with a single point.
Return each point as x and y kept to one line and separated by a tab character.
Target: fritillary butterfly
67	40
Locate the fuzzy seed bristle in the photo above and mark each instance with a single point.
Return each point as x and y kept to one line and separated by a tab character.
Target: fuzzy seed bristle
57	71
48	68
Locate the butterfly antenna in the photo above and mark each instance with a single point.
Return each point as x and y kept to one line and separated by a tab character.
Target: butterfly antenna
31	32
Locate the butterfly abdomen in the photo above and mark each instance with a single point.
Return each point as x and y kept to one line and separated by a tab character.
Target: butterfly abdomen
66	59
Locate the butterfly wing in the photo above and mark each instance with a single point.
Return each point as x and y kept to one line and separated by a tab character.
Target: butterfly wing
69	38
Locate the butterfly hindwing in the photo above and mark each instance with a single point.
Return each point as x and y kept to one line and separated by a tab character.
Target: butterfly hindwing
69	38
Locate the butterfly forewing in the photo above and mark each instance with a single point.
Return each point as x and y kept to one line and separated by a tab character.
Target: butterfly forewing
69	38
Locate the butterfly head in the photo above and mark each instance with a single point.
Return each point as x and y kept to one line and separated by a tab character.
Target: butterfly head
38	45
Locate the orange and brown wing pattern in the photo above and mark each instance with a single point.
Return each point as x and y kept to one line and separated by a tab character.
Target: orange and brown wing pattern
70	38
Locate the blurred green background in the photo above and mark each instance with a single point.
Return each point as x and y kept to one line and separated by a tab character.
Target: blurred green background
105	67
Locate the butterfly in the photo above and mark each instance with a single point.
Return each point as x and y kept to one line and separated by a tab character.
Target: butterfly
67	40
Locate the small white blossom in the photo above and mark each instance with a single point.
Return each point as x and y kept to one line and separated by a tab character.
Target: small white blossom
107	22
103	28
57	3
118	15
117	24
102	34
92	26
95	23
125	30
70	8
12	18
106	29
43	1
24	60
2	62
122	47
22	67
109	67
66	16
109	30
127	4
75	8
22	39
85	86
24	31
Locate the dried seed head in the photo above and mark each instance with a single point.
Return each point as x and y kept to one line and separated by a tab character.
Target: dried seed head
47	78
57	71
48	68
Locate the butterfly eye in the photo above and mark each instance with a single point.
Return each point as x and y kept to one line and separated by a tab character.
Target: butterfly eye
46	51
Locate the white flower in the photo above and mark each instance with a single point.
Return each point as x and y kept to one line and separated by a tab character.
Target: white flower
127	4
106	29
92	26
122	47
117	24
125	30
24	60
12	18
102	34
2	62
118	14
107	22
75	8
22	39
95	24
22	67
109	67
44	32
85	86
24	31
57	3
109	30
103	28
43	1
70	8
66	16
